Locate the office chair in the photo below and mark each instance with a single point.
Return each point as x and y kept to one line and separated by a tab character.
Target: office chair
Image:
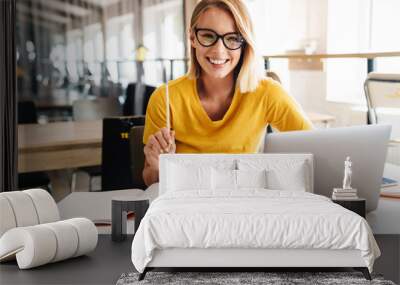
382	92
273	75
27	114
129	105
137	156
117	158
93	109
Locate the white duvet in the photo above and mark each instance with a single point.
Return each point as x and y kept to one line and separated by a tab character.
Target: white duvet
253	218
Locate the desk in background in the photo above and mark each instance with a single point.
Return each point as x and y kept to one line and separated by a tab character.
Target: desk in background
59	145
318	118
63	145
315	59
392	171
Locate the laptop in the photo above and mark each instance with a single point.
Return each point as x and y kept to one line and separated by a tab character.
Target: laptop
366	145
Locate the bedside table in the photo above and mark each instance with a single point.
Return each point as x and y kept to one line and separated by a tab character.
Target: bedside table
355	205
120	207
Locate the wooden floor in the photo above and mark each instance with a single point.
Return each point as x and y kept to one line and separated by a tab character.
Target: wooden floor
110	259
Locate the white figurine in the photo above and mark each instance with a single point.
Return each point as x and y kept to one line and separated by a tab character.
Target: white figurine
347	174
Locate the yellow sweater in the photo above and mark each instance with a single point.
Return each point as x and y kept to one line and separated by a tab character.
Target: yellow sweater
242	126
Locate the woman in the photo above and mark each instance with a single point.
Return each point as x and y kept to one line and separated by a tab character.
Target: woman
224	103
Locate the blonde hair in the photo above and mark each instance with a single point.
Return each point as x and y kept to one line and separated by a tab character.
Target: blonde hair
249	71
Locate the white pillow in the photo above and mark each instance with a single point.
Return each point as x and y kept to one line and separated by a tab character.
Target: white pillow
223	179
293	178
222	163
251	178
281	174
188	177
228	179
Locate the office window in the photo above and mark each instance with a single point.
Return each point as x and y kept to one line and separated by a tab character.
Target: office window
283	26
385	26
121	49
93	52
74	55
164	37
359	25
347	31
384	34
330	26
270	18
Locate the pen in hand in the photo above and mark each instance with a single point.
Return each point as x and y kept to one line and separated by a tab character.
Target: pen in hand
167	117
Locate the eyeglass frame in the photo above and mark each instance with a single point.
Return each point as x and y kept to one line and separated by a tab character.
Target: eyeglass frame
243	41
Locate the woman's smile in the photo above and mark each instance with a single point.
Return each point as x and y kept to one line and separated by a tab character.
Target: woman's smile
217	62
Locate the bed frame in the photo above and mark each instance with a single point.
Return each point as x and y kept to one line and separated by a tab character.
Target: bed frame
242	258
256	258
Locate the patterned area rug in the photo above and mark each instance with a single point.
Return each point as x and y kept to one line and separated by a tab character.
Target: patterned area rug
273	278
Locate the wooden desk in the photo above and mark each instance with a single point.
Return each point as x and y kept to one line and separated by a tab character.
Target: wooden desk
370	56
59	145
367	55
391	171
64	145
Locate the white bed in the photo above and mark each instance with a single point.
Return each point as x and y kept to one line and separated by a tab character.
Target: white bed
210	226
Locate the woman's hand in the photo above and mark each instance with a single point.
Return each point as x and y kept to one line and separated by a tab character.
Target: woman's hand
162	141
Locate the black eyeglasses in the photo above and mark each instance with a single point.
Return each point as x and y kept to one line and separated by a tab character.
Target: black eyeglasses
207	38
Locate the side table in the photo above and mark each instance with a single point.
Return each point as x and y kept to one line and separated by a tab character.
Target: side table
120	207
356	205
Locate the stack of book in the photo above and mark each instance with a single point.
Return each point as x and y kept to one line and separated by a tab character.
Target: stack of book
344	194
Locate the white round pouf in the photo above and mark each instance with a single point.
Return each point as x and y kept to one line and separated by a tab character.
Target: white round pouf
33	246
45	205
23	208
7	218
87	234
31	233
67	240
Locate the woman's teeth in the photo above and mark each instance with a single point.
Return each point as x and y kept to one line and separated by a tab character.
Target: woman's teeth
217	61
